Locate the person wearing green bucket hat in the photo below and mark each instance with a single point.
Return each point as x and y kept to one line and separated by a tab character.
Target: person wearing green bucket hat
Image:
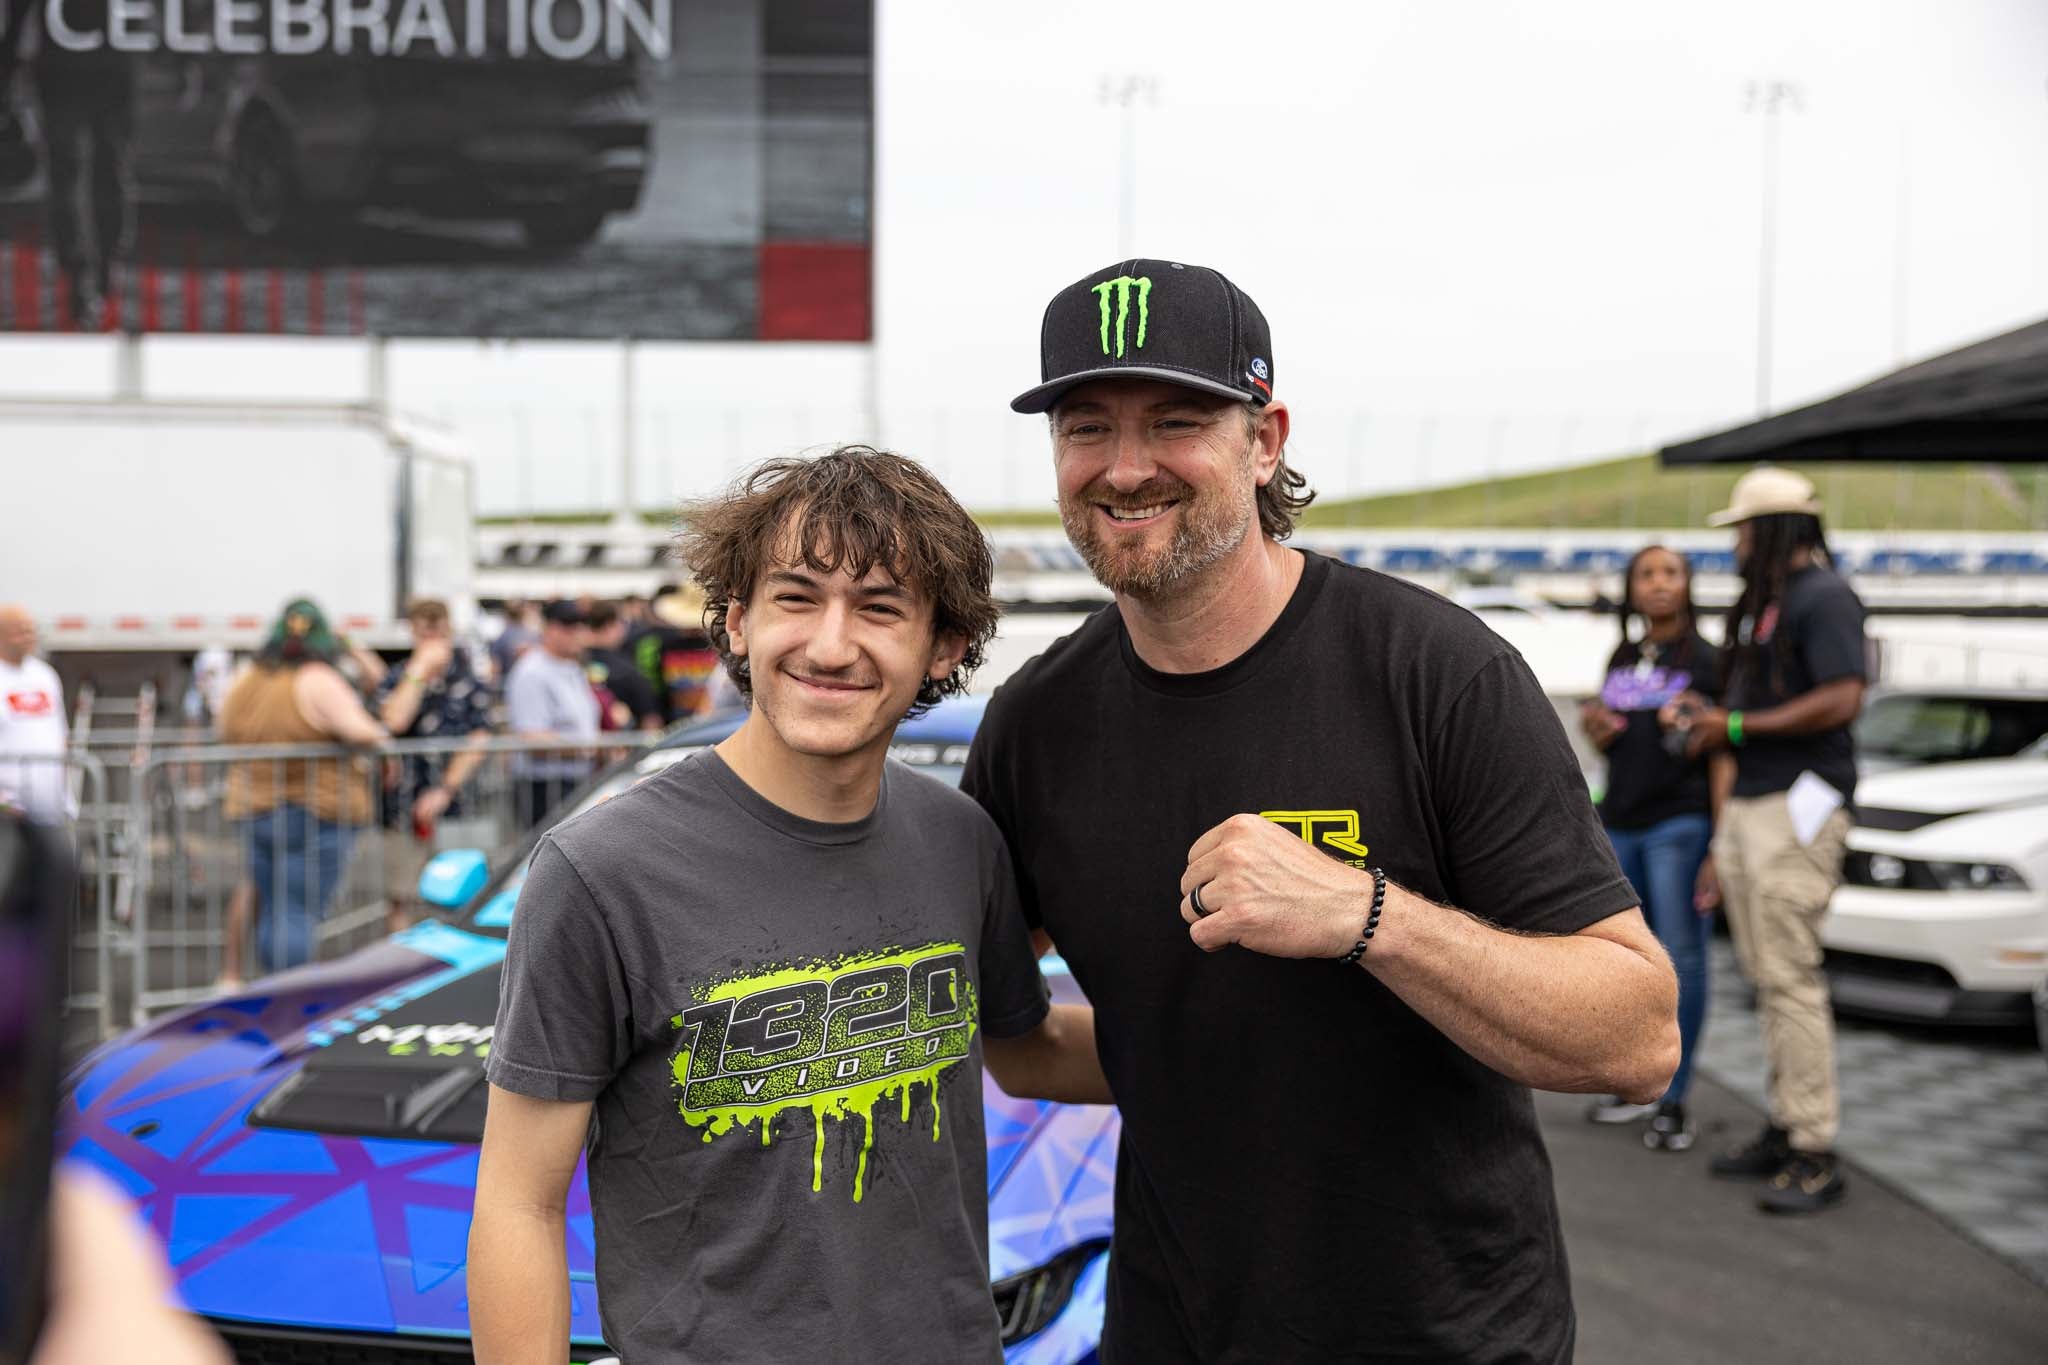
299	814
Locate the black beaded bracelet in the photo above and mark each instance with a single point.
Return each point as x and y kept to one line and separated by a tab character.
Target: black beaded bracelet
1372	919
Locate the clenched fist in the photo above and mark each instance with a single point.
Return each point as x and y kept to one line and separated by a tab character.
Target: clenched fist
1266	889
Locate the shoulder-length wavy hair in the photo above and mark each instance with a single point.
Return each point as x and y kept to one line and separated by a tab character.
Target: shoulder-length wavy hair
1285	496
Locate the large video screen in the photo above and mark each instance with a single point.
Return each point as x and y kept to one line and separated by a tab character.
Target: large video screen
659	169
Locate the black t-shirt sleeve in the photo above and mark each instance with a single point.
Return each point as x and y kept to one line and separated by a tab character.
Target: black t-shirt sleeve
629	687
564	1014
1708	671
985	778
1829	634
1522	846
1014	997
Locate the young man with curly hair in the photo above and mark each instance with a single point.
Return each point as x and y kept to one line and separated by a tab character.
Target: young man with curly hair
789	936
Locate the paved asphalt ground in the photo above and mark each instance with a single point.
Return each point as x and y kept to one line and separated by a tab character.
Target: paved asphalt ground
1672	1266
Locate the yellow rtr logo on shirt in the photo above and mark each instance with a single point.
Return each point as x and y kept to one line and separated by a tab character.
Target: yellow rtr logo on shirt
1336	831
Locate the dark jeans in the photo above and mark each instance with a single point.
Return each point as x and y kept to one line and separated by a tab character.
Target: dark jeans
89	134
1661	862
295	860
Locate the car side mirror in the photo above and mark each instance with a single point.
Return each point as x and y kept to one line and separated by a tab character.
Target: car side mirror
452	879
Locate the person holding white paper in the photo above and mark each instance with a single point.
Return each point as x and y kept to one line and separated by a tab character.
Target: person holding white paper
1795	678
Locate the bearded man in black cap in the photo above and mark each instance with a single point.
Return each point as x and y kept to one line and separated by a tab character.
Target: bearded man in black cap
1316	846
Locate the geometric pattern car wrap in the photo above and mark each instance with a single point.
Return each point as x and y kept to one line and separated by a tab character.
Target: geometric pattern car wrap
1051	1186
273	1225
366	1234
370	1235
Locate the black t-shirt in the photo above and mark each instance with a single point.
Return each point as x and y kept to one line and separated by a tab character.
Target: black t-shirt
677	664
1821	619
615	671
1645	783
1308	1169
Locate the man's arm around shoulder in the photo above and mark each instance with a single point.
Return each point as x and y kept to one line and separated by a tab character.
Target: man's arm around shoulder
1054	1061
518	1263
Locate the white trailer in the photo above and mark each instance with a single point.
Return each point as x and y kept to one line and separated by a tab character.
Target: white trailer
144	525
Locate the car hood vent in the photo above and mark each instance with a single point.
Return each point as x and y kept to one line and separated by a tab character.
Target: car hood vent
1026	1303
440	1104
1880	817
1892	818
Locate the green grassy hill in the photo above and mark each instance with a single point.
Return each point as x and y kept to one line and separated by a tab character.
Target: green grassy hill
1638	492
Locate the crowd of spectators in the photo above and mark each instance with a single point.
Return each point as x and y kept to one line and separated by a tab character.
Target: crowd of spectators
565	672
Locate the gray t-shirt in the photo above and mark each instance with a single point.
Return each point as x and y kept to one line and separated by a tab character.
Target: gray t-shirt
778	1020
544	694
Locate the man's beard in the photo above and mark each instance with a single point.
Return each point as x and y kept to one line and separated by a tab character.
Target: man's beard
1211	526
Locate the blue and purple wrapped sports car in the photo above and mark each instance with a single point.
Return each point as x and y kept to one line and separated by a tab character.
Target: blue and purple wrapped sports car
307	1148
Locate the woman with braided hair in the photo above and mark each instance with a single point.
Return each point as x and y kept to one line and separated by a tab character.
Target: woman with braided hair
1796	674
1659	805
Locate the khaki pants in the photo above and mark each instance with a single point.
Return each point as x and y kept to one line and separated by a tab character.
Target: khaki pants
1775	891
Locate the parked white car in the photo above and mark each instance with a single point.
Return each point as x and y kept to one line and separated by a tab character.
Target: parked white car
1942	914
1904	726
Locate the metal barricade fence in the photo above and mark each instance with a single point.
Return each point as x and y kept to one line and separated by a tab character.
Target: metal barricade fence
70	791
247	859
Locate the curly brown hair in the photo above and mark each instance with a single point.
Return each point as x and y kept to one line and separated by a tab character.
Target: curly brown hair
855	509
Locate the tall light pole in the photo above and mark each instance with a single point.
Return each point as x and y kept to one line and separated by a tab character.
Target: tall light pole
1126	92
1768	98
1902	247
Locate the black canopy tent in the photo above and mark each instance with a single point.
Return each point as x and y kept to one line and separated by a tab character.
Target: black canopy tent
1986	403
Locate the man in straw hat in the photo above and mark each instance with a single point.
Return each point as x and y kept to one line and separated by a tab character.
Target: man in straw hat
1796	673
673	651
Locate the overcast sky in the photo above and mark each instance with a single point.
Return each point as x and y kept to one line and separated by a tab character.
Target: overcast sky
1488	235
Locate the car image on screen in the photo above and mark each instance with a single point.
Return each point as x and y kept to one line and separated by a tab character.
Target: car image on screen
306	1147
297	144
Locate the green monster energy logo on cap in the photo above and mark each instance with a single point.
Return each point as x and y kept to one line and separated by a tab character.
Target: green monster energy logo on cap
1122	285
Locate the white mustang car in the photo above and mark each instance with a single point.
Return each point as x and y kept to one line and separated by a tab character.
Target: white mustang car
1942	915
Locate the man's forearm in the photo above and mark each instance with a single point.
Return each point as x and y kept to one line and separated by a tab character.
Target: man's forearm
402	707
1593	1010
461	768
1055	1061
1827	707
518	1287
1575	1012
1720	784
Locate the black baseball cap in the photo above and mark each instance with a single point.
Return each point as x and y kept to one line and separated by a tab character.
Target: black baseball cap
1140	319
562	613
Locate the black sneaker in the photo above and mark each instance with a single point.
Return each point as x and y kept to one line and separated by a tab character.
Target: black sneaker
1762	1157
1670	1129
1807	1183
1615	1109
